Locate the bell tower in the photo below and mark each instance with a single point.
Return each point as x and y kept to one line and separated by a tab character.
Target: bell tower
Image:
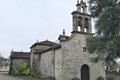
81	18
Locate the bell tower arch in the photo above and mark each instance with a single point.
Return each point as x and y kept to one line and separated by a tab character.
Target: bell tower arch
81	18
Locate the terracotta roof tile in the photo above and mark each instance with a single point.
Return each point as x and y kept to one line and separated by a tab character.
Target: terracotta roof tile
46	43
20	55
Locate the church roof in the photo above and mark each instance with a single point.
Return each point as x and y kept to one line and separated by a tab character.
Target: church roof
51	45
74	12
40	51
19	55
63	37
46	43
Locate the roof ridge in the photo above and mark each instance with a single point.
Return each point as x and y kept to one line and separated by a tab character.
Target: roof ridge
20	52
46	43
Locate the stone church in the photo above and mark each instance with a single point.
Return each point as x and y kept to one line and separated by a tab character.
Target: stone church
69	58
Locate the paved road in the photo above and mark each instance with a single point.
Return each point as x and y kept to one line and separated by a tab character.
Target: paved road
5	76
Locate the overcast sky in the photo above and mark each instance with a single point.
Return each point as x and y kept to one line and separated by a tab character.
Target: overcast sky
23	22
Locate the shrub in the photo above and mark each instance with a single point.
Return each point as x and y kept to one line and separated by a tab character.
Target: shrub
49	78
75	78
43	78
23	69
100	78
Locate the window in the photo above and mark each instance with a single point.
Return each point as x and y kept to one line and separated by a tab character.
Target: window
79	21
85	30
86	23
84	49
79	28
82	10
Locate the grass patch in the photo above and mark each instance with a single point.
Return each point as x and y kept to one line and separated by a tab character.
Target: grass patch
21	77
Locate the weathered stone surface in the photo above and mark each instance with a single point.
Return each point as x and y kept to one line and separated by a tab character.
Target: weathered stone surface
71	58
47	64
35	59
65	63
42	63
16	62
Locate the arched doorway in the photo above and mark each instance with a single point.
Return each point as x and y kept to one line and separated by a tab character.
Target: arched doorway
85	72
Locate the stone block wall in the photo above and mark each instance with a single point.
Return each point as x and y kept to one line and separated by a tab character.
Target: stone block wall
35	59
72	57
48	63
16	62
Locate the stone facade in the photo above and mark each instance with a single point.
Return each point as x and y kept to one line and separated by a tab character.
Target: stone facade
47	63
18	58
42	58
35	58
66	62
69	58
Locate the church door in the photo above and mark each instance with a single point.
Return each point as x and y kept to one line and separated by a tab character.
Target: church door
85	72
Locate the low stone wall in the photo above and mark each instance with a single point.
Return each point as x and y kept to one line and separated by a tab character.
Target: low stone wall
4	68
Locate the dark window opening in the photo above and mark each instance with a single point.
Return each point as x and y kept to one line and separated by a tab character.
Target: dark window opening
84	49
85	72
86	23
79	21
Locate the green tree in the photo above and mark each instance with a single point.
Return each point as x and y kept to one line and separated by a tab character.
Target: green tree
106	41
97	6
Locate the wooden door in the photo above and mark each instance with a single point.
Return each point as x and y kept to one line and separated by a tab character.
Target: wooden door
85	72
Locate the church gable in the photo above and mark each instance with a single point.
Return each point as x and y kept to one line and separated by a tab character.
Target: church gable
41	47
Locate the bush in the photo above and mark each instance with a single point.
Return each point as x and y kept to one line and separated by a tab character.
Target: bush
23	69
75	78
49	78
41	77
100	78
